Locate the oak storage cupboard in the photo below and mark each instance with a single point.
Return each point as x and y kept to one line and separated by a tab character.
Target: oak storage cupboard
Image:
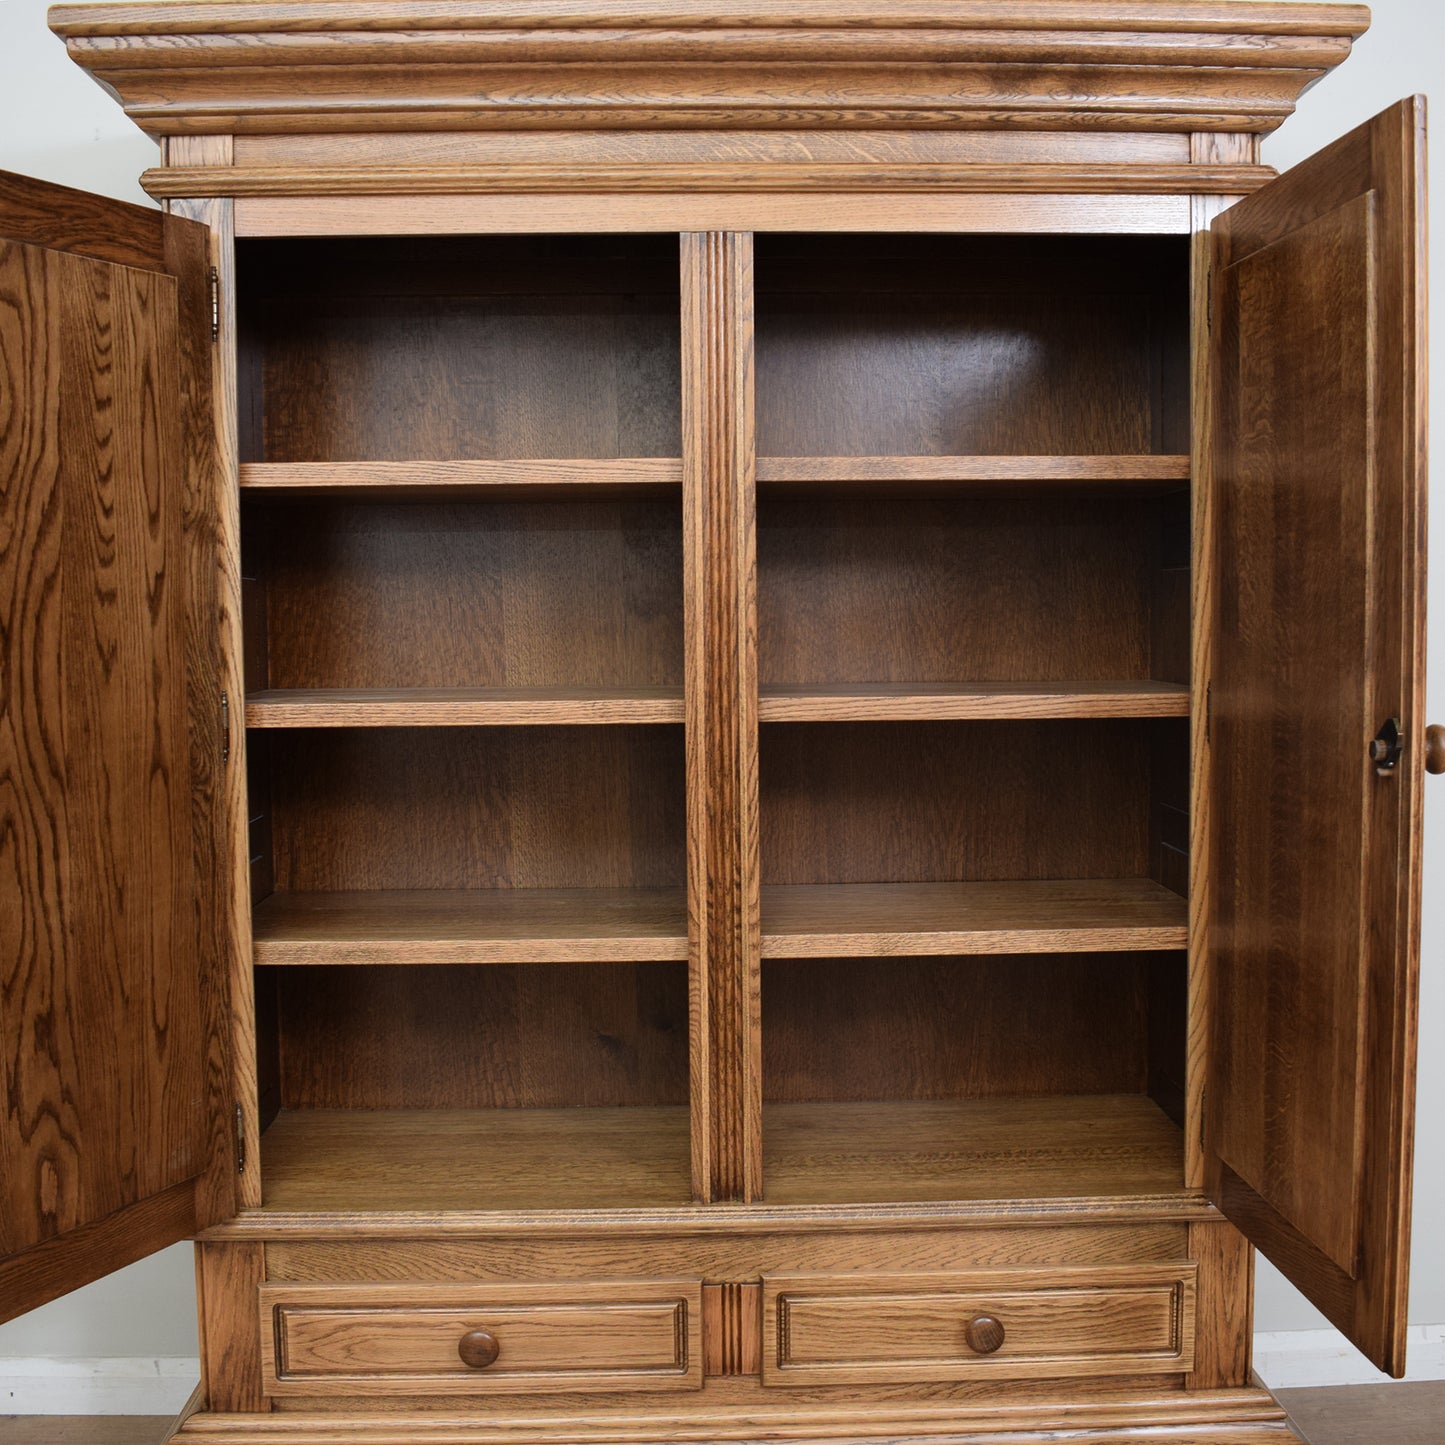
711	714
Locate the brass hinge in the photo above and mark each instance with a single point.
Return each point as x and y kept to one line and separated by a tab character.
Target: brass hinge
240	1140
225	729
215	304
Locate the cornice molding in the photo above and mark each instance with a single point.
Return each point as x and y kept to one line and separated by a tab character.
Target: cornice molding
279	66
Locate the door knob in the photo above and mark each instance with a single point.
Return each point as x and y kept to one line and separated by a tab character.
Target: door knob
1435	749
984	1334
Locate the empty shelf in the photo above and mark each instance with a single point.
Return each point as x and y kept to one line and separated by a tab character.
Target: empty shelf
476	1159
937	701
1056	1147
870	920
545	477
502	925
423	707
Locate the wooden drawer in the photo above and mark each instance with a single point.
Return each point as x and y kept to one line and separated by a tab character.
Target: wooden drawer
367	1339
1056	1321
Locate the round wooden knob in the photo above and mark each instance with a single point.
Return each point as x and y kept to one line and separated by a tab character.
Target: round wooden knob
984	1334
1435	749
478	1349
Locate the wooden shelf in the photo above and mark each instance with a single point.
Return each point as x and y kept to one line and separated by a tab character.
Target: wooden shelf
1149	473
476	1159
1005	1150
545	477
1059	1147
934	701
421	707
874	920
448	926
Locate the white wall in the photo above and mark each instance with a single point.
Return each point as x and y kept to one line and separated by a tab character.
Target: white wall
55	123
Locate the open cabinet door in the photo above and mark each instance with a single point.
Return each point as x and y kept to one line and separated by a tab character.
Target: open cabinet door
112	1141
1318	339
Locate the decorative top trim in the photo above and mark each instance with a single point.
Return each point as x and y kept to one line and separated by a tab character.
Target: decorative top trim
278	66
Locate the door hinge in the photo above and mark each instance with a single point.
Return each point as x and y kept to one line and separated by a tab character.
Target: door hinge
240	1140
1203	1100
215	304
225	729
1209	299
1208	710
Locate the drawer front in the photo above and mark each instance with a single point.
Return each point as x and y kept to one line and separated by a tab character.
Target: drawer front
364	1339
1012	1324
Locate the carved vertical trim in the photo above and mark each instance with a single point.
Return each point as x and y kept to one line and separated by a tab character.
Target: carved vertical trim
720	608
732	1329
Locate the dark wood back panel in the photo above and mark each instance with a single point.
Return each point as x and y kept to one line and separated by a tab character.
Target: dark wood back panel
443	349
914	802
580	807
955	1028
900	589
370	594
903	345
531	1036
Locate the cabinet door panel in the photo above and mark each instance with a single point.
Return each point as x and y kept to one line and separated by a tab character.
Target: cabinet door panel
106	981
1318	337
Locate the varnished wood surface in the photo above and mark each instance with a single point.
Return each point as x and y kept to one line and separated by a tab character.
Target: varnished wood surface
521	1159
106	983
517	478
341	707
1056	1323
978	474
969	1150
1045	65
1319	302
882	701
405	1340
879	919
60	218
537	925
720	608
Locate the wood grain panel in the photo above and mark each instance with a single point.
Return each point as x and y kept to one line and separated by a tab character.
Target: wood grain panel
1224	1343
928	802
937	701
732	1329
882	346
1007	475
948	1028
509	480
1057	1323
578	807
468	1159
1065	1146
585	1335
507	1035
446	595
500	925
1318	368
59	218
488	351
720	607
229	1278
105	978
885	589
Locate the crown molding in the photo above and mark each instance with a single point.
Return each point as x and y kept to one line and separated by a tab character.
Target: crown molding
284	66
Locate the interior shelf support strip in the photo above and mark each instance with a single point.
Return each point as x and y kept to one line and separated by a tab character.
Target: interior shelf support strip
719	451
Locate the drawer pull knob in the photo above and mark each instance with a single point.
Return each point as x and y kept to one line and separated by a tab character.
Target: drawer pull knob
984	1334
478	1349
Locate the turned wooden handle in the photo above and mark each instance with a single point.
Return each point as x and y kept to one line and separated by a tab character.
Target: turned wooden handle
1435	749
984	1334
478	1349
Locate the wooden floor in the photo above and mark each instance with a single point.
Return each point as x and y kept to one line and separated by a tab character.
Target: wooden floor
1354	1415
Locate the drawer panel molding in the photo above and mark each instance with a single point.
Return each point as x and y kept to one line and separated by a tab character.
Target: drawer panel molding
418	1339
1038	1323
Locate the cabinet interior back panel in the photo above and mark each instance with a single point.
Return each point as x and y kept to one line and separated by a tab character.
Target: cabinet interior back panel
925	801
447	349
531	807
506	1036
956	1028
470	594
922	345
910	589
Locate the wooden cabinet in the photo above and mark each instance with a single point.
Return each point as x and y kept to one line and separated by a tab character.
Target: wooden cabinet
712	719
